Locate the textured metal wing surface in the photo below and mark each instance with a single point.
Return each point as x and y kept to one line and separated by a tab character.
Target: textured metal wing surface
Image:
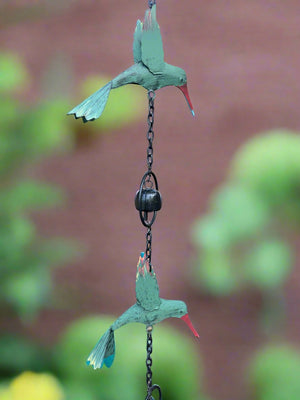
147	290
137	46
151	43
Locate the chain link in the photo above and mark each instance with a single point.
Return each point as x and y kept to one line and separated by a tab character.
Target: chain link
150	133
149	359
149	248
150	387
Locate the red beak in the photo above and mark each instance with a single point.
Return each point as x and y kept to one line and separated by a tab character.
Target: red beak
187	320
184	90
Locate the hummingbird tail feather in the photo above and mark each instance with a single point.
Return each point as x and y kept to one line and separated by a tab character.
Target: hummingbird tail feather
92	107
104	351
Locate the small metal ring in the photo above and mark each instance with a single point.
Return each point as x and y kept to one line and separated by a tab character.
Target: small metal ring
151	93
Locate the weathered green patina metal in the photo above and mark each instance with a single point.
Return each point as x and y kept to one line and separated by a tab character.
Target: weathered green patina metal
149	70
149	310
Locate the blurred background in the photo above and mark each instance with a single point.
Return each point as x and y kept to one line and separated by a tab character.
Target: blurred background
227	239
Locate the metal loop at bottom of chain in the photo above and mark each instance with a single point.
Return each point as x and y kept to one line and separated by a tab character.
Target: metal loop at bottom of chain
144	218
151	390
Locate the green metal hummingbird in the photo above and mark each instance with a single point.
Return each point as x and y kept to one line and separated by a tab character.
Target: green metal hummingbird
149	70
149	309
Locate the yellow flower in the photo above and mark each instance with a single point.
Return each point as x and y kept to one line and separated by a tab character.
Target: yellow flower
33	386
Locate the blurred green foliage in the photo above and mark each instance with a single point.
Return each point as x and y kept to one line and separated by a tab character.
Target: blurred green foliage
176	363
14	76
27	134
274	373
243	240
19	353
269	164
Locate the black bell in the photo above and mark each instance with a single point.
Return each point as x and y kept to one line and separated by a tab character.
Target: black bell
149	200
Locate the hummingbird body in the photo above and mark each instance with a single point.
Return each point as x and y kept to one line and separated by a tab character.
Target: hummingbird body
140	75
136	313
149	70
149	310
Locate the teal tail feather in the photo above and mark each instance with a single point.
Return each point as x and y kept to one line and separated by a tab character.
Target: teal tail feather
92	107
103	352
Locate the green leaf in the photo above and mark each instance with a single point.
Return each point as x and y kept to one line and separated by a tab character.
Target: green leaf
270	164
242	212
13	75
214	272
16	233
9	109
9	146
268	264
237	214
46	128
19	354
210	233
29	195
274	373
28	291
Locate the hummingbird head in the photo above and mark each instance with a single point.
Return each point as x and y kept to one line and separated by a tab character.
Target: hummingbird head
178	77
182	313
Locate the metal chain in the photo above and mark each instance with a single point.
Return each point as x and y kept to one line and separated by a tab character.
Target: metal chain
149	248
150	133
150	386
150	138
149	359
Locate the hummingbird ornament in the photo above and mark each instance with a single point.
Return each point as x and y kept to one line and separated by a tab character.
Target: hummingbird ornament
149	309
149	70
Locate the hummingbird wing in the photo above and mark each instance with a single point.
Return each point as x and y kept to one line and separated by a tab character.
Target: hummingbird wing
137	50
146	289
151	43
